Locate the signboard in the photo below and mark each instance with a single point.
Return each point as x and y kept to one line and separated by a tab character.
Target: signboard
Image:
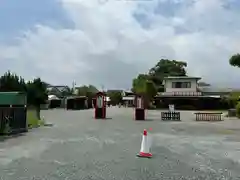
139	103
99	102
171	107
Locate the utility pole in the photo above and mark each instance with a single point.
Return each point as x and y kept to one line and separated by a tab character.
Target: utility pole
102	86
73	86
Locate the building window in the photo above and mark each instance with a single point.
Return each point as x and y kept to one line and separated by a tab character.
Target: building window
186	85
176	84
181	84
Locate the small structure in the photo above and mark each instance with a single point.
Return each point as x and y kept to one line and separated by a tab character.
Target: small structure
54	101
76	102
139	107
184	93
100	106
181	86
13	112
171	115
209	116
128	98
107	101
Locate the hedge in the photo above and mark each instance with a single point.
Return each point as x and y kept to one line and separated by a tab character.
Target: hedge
238	110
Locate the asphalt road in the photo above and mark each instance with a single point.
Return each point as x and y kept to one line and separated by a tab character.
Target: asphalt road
78	147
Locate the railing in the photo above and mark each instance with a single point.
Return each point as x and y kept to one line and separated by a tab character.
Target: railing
200	116
168	116
181	93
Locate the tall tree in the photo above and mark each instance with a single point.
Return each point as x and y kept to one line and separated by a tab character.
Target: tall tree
88	91
151	89
235	60
139	83
166	68
37	92
144	85
92	88
149	84
115	97
11	82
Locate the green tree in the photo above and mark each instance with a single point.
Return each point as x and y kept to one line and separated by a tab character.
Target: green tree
37	92
145	86
166	68
88	91
139	84
82	91
115	97
238	109
235	60
151	89
11	82
149	84
92	89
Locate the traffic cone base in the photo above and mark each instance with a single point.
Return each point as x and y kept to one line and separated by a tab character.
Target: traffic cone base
144	151
146	155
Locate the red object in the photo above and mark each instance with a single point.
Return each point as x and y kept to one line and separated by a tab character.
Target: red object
145	132
100	104
147	155
144	151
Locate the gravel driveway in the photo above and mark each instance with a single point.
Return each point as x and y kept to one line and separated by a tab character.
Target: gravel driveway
78	147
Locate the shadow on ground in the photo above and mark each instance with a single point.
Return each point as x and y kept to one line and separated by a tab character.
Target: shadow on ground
7	137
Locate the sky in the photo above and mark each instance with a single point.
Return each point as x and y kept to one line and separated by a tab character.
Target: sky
109	42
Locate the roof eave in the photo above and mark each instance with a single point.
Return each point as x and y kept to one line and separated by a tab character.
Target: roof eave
182	77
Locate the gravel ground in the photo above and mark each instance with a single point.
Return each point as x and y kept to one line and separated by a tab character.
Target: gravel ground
78	147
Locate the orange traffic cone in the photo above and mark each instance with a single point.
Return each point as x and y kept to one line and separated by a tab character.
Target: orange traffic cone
144	151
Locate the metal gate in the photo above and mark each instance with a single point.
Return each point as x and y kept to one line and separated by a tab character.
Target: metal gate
174	116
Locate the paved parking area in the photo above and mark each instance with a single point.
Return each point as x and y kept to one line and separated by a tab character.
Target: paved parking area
79	147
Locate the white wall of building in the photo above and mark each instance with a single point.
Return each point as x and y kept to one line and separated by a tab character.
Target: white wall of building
169	88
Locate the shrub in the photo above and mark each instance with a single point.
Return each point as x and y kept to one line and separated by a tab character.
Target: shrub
151	106
232	102
233	99
238	110
32	118
6	129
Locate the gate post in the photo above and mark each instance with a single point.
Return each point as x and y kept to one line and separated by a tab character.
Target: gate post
139	107
100	106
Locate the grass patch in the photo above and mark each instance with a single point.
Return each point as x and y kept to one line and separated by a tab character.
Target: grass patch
32	119
225	131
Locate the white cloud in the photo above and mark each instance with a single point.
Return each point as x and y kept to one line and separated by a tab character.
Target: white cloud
109	46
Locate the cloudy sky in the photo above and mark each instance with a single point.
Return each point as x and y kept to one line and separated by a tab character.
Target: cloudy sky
110	41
